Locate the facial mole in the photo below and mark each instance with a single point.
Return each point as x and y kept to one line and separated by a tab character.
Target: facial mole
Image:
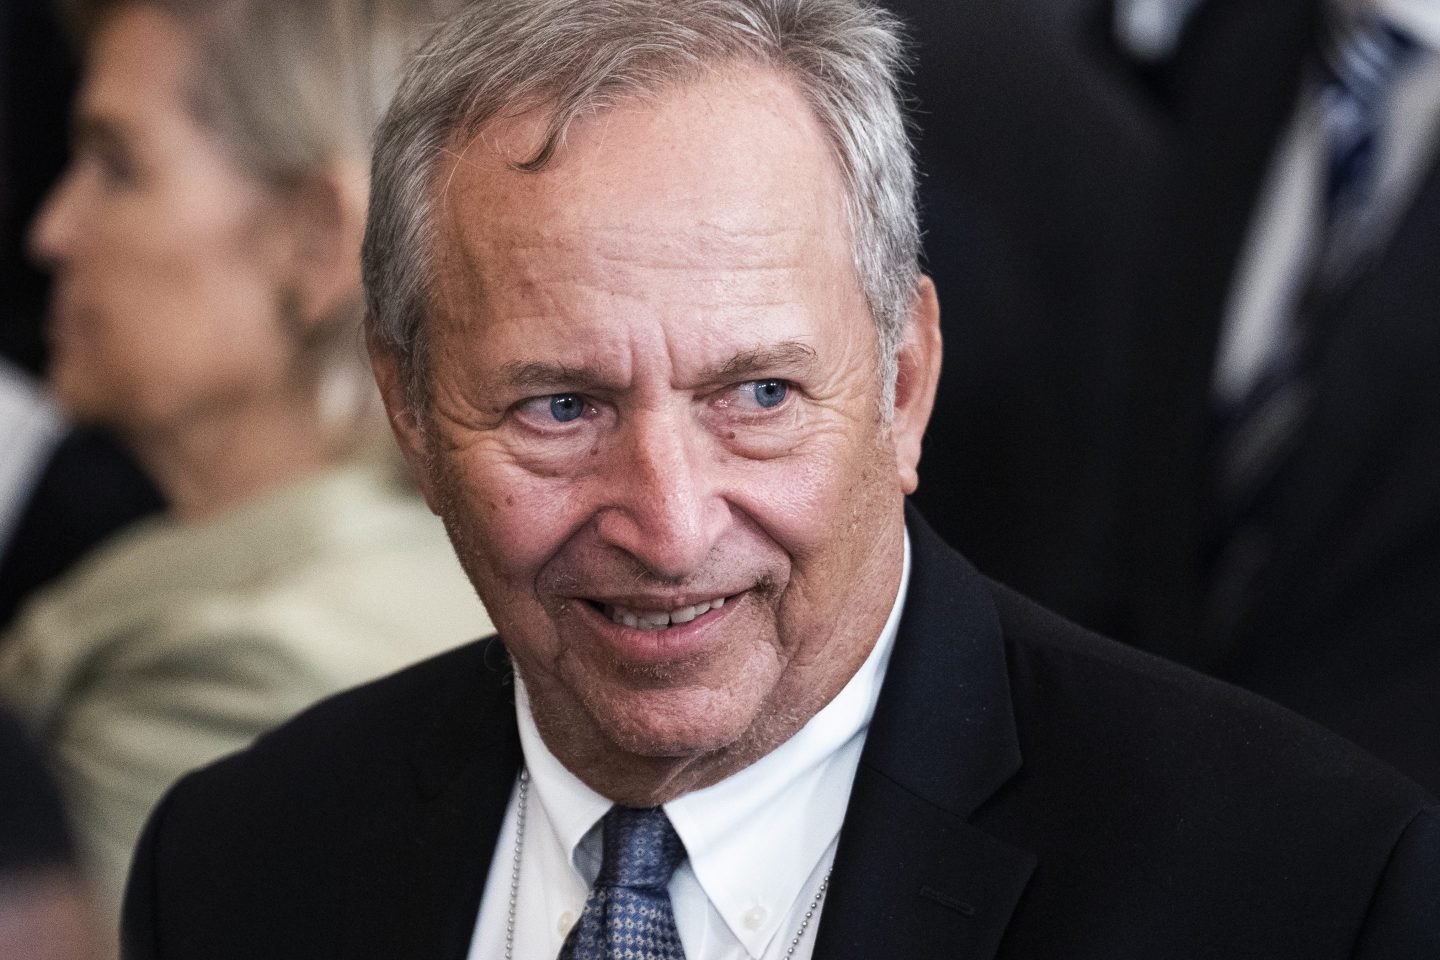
595	451
509	500
730	435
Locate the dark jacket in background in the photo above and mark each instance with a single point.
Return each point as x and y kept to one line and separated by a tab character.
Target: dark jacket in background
1085	215
89	490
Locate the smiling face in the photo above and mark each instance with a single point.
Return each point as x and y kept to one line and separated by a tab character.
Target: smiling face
165	283
654	427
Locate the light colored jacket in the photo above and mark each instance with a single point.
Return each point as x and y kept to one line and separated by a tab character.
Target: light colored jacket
177	643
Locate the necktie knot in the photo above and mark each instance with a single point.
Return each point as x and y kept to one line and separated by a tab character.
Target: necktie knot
1360	57
628	913
641	848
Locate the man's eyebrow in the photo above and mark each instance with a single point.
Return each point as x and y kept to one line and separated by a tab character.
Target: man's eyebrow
788	357
541	375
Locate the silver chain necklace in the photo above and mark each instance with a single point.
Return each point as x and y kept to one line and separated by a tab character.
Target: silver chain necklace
515	880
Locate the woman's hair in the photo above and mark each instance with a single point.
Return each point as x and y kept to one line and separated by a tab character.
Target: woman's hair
293	90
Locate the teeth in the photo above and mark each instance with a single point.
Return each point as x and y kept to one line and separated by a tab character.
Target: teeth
660	619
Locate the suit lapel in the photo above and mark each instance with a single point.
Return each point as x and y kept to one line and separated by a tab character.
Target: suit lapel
912	876
913	880
421	867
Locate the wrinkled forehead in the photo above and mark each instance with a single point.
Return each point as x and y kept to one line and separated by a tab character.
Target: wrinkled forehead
728	168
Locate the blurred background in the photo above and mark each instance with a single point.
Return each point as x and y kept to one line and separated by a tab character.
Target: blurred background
1186	253
1186	258
60	493
204	524
37	79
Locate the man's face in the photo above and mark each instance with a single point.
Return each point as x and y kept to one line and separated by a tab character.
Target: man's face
654	427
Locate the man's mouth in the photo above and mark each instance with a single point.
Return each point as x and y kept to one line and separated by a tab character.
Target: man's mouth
639	619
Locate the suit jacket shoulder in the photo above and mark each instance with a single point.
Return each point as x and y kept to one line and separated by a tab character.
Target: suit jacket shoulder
1029	789
1089	709
363	827
1173	718
1221	823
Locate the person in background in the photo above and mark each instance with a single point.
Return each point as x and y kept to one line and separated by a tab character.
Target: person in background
1287	481
62	490
1189	246
206	306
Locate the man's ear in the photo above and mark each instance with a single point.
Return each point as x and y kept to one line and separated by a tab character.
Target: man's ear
915	383
404	421
327	212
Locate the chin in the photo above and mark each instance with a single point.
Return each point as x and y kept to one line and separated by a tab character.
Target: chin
673	723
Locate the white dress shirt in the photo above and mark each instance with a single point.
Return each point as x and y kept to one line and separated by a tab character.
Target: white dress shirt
1284	238
759	843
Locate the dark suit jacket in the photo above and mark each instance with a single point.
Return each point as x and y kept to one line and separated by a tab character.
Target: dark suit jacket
1085	215
1026	790
89	490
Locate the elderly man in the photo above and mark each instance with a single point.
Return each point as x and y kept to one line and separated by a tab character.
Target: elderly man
647	317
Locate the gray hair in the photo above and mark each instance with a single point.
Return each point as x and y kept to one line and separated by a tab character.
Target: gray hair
576	57
291	89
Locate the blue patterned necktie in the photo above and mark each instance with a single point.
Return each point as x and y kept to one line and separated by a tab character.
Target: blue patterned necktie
627	915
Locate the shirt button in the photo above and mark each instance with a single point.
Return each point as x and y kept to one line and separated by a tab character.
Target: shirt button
567	920
755	918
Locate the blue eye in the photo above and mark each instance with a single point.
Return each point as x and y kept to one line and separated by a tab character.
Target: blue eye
565	407
771	393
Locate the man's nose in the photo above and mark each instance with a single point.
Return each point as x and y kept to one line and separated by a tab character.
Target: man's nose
662	505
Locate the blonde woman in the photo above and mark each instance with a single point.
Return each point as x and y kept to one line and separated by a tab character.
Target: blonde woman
205	246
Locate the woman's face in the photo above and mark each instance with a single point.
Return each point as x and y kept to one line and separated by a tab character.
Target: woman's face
168	265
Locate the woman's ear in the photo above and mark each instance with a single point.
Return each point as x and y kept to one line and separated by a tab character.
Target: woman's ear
326	214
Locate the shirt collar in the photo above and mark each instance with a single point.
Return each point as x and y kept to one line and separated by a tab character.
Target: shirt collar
783	811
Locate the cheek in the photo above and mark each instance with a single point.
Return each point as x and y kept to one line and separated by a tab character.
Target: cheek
177	299
192	336
506	526
512	520
208	239
808	501
219	298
